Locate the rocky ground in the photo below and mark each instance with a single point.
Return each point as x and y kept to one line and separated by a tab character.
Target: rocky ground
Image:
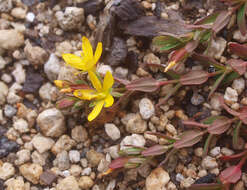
42	147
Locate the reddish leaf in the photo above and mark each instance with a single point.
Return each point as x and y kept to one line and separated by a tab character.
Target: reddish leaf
238	49
188	139
230	175
220	125
178	55
143	84
205	186
65	103
118	163
238	65
194	124
194	77
221	21
229	110
232	157
155	150
243	115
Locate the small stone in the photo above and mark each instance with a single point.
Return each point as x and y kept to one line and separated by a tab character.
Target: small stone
62	160
136	124
209	163
86	171
197	99
118	52
9	111
15	184
121	72
48	92
226	151
30	17
152	59
38	158
215	151
134	140
113	151
79	134
94	157
157	179
217	48
85	182
102	69
63	143
146	108
19	73
103	165
186	183
72	18
21	125
238	85
3	92
75	170
144	170
7	146
3	62
237	35
179	177
11	39
52	67
33	81
31	172
42	144
6	77
239	186
23	156
171	129
35	54
74	156
231	95
202	173
12	97
112	131
68	183
111	185
64	47
198	152
67	73
51	122
48	177
19	12
215	102
7	170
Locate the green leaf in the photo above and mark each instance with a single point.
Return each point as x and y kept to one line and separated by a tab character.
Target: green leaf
207	143
241	19
205	36
208	19
210	119
230	77
167	42
236	134
117	94
81	82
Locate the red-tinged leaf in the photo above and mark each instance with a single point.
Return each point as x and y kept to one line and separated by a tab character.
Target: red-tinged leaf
188	139
229	110
118	163
65	103
206	145
131	151
191	46
233	157
221	21
194	124
208	19
238	49
230	175
243	115
79	86
178	55
205	186
204	59
241	19
220	125
161	135
238	65
155	150
143	84
194	77
235	137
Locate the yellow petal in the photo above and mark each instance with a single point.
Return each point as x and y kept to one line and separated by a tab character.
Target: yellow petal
87	48
74	61
85	94
96	110
109	101
58	83
108	81
98	52
170	65
95	81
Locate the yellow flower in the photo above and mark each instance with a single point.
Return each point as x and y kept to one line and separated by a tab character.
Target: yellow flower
101	95
87	61
170	65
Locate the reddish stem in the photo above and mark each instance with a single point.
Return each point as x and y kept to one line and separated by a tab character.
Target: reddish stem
161	83
241	163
